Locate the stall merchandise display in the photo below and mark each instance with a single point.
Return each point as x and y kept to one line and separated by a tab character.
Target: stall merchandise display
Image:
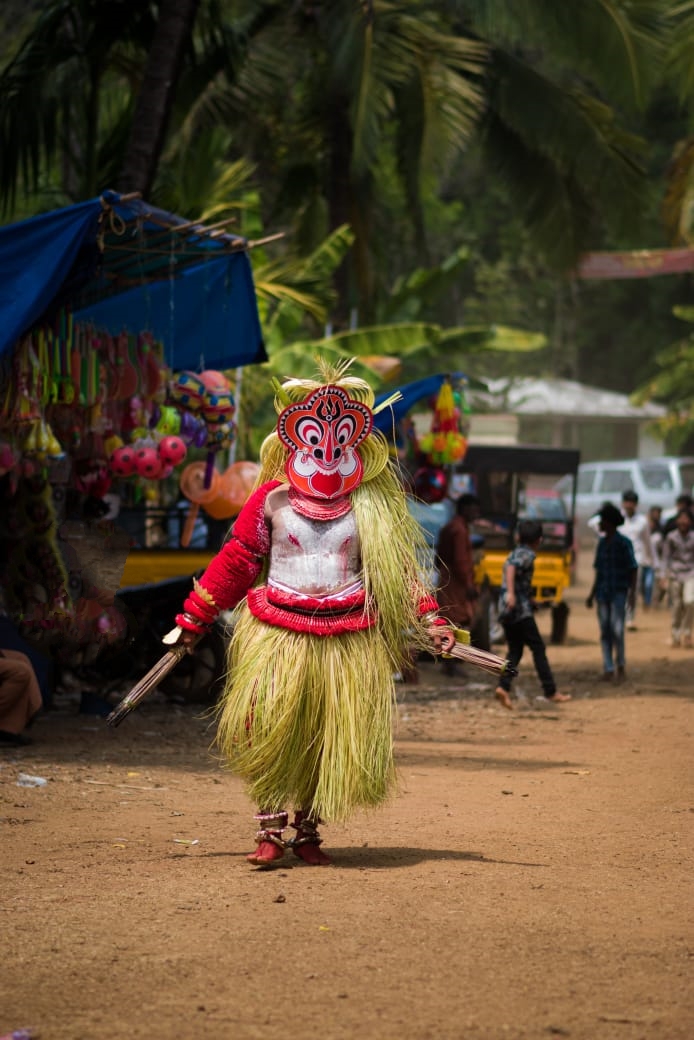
446	443
80	410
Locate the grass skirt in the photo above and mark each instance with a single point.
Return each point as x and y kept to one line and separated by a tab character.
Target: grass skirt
306	720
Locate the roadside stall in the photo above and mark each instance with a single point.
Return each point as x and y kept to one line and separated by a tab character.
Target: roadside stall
119	325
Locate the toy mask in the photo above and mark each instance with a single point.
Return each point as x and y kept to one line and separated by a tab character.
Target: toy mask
322	433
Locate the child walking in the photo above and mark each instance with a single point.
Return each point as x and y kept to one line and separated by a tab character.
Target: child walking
516	613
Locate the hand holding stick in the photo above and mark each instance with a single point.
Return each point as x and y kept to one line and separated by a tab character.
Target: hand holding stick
153	677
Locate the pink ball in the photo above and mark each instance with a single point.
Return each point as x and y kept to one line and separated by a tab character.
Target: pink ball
213	381
148	463
172	450
123	462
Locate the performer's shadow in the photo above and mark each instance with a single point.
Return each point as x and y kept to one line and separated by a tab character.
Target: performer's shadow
367	857
389	857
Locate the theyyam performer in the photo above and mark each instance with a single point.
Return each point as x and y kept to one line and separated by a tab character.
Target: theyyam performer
322	564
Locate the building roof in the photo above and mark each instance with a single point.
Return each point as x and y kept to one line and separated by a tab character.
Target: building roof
560	397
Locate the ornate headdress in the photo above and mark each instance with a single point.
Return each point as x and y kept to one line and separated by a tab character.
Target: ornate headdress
322	433
325	443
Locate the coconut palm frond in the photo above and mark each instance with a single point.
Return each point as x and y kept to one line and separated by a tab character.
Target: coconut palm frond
619	47
470	339
425	285
388	340
327	257
563	157
678	204
281	293
302	363
681	54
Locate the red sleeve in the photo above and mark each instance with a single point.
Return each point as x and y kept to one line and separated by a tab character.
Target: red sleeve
427	605
234	569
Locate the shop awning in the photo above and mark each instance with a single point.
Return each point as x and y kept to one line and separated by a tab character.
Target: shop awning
122	264
411	394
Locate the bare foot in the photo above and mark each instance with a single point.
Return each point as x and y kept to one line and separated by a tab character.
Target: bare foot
559	697
503	697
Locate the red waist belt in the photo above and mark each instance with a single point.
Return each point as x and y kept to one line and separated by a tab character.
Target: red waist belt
311	614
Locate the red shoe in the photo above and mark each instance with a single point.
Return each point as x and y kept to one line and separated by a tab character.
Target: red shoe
312	854
307	843
271	844
267	853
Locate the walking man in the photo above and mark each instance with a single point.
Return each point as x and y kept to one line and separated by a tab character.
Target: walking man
613	588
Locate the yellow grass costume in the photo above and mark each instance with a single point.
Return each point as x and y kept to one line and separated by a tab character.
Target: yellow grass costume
306	717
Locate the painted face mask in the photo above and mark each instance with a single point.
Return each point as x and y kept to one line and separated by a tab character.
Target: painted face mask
322	433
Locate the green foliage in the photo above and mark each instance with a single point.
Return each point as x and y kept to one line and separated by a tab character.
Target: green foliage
433	164
673	385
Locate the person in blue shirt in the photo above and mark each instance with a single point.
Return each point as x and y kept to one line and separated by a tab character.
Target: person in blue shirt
614	589
517	614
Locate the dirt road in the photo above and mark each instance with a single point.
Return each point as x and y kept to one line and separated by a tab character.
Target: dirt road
533	877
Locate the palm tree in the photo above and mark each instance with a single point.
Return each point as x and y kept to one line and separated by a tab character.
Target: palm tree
340	83
157	90
66	93
345	103
559	81
364	99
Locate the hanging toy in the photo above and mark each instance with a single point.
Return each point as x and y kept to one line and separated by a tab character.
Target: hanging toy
217	399
148	463
172	450
187	391
235	486
123	462
445	444
167	421
200	485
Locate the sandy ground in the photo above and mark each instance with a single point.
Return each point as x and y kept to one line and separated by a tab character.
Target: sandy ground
531	879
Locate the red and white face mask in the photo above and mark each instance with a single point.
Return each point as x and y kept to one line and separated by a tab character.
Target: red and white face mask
322	433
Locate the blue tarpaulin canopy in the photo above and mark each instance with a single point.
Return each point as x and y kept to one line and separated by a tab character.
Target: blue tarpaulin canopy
123	264
411	393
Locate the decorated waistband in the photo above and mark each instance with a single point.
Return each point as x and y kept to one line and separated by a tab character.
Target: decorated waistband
319	616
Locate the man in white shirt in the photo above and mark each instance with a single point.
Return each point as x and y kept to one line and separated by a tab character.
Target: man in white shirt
636	529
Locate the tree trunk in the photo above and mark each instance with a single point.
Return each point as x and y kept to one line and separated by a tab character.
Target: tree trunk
154	102
340	200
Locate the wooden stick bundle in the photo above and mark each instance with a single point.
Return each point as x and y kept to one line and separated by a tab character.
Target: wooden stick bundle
147	683
483	659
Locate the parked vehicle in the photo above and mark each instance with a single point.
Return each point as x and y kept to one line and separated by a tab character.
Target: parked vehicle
657	482
513	482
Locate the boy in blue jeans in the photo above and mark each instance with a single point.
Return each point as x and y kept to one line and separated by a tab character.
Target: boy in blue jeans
517	614
614	589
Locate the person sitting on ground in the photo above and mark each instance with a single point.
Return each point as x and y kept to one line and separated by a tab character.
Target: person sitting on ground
20	697
517	614
614	586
